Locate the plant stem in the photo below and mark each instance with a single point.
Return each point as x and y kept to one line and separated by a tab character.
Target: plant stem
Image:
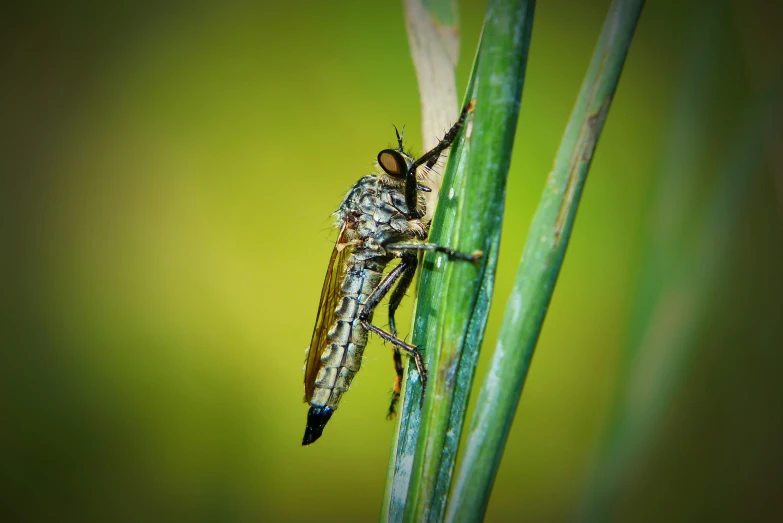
539	268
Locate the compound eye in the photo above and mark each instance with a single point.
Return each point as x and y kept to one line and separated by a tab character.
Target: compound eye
393	163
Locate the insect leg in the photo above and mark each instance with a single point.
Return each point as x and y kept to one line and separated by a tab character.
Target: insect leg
410	263
372	301
394	301
431	157
399	370
451	253
397	342
380	291
404	270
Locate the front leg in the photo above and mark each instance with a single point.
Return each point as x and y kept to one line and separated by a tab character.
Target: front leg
431	157
474	257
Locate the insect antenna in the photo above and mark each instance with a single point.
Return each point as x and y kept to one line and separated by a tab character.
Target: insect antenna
399	136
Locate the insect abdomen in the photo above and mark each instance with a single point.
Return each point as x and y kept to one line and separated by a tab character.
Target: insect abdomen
342	358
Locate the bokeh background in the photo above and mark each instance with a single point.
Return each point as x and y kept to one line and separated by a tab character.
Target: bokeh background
169	175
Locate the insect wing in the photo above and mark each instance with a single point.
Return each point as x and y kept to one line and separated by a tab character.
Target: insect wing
330	297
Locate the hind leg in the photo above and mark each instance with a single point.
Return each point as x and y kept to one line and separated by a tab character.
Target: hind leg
394	301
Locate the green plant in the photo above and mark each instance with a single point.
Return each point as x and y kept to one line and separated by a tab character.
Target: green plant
454	298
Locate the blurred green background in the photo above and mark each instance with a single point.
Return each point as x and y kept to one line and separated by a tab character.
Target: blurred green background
170	171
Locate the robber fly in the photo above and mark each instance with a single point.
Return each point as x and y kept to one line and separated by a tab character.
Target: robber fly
380	219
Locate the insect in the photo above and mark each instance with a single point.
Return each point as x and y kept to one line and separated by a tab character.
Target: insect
380	219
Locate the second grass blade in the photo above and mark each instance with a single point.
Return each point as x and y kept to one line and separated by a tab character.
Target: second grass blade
539	268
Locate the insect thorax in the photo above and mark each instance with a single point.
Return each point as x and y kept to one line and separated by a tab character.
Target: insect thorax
375	212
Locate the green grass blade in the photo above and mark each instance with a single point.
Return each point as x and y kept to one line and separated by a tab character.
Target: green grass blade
454	297
455	303
539	268
406	437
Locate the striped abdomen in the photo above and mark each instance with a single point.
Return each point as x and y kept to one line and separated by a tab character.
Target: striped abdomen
342	357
